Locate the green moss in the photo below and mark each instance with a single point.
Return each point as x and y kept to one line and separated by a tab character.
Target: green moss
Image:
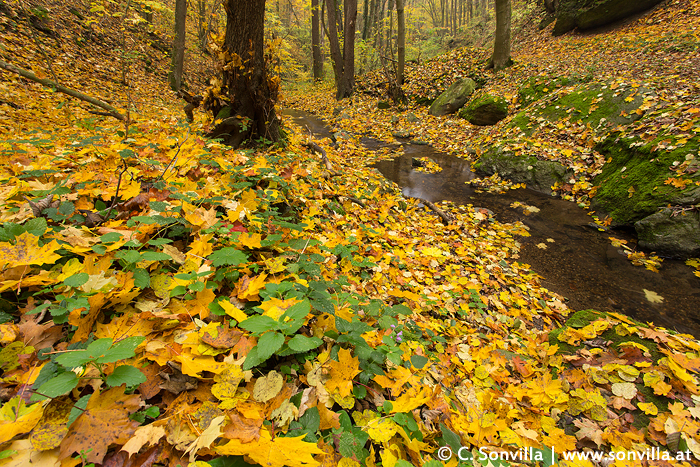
536	87
631	185
485	109
522	121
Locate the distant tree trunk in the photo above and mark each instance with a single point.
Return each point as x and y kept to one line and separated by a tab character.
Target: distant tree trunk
201	20
334	43
178	56
343	63
400	41
348	81
251	94
316	42
501	48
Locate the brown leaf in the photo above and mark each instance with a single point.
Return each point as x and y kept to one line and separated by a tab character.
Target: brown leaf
38	335
151	387
226	337
245	429
104	422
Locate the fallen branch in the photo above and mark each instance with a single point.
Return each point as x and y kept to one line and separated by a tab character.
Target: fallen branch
324	158
111	111
349	198
445	218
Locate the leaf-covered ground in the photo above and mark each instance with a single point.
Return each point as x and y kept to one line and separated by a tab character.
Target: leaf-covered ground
267	307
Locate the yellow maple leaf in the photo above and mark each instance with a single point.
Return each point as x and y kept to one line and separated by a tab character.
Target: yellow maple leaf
232	310
411	399
277	452
248	288
26	250
275	307
342	372
17	418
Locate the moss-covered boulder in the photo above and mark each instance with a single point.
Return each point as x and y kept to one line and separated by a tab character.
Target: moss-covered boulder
536	174
589	14
484	110
669	232
637	180
454	98
601	106
536	87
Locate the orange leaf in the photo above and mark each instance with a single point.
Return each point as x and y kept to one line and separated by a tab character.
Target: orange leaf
105	421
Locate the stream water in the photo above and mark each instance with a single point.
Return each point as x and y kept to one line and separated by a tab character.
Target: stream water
580	264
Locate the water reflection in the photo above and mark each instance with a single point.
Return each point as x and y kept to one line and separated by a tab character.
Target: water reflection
576	261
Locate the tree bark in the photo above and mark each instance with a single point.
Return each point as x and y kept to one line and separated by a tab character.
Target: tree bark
178	56
501	48
316	41
334	43
400	41
348	80
252	94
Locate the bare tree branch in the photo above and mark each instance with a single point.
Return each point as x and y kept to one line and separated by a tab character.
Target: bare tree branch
112	112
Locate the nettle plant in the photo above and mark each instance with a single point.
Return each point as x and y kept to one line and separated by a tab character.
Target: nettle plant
63	373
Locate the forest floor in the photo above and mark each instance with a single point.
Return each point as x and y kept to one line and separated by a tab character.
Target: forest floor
262	305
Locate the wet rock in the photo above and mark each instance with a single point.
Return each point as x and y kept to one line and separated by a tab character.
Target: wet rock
669	233
340	135
454	98
537	174
383	105
589	14
485	110
402	134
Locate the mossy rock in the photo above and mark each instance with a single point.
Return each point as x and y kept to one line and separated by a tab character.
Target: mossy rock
485	110
676	234
536	87
537	174
454	98
589	14
595	105
631	185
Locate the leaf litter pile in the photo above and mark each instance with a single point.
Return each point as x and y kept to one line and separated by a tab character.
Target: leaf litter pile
167	300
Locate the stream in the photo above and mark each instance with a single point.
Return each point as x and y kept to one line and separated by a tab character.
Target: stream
580	264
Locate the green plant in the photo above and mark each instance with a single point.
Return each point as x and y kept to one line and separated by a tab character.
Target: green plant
60	376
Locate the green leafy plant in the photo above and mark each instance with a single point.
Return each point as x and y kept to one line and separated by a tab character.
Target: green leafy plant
60	376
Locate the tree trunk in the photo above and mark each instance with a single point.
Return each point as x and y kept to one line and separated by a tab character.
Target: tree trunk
400	41
178	56
334	43
316	42
251	93
348	77
201	21
501	47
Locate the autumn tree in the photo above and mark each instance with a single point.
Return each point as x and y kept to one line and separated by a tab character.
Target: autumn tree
501	48
343	62
245	97
316	41
178	54
400	41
